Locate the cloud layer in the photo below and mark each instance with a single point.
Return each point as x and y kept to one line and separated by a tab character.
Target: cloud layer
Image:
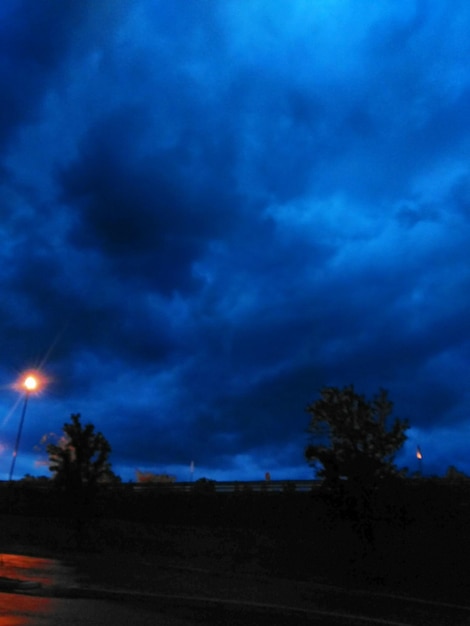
212	210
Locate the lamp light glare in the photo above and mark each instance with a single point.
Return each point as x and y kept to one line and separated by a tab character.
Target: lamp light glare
30	383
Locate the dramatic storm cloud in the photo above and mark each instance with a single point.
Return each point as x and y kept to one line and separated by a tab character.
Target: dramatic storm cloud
210	210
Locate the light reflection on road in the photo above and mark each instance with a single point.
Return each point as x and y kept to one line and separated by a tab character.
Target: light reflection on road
20	610
43	571
17	609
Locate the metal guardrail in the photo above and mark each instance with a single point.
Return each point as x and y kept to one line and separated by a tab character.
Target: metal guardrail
259	486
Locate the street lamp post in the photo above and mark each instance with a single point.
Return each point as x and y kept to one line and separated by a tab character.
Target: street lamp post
29	384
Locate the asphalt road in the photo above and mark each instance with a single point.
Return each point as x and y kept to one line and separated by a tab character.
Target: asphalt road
196	598
16	610
23	609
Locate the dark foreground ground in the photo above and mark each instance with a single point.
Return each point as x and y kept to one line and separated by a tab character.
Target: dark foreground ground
409	568
123	588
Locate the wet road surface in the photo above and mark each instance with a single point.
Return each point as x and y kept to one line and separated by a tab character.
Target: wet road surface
26	608
193	597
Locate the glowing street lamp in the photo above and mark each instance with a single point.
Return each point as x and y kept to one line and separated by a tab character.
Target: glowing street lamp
29	383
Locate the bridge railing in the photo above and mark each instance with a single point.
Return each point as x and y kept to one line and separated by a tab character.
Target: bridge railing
259	486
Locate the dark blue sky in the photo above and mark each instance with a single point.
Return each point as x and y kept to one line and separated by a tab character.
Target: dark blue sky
210	210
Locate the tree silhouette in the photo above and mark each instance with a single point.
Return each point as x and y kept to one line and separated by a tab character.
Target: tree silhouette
353	439
80	460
